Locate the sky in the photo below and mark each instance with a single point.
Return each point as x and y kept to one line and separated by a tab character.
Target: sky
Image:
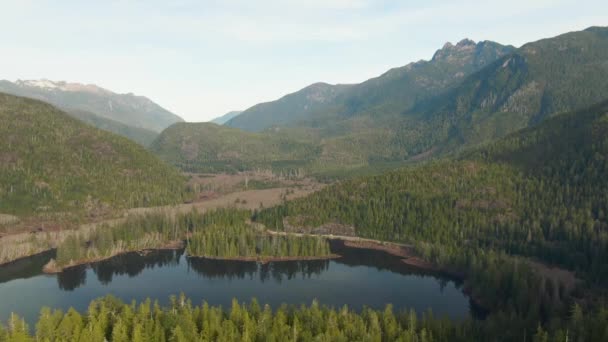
201	59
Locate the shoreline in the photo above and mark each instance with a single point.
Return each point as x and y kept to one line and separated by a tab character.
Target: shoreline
51	268
21	258
267	259
406	253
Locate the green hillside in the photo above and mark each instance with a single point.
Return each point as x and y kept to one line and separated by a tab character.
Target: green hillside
466	95
540	79
395	91
540	192
491	215
52	162
207	147
515	91
290	109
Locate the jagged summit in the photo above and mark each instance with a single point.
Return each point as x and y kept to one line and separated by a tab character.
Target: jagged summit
449	50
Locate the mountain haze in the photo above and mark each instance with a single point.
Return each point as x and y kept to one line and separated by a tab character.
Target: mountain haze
226	117
141	136
129	109
289	109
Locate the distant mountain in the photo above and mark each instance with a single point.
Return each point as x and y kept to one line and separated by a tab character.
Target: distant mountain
519	90
289	109
51	162
226	117
395	91
129	109
141	136
467	94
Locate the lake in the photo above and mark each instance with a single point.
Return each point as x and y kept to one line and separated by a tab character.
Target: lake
361	277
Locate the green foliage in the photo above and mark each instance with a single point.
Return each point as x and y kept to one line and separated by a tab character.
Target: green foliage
207	147
241	241
138	232
110	319
539	193
50	162
221	233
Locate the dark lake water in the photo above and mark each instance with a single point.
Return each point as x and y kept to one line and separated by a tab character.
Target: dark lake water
360	278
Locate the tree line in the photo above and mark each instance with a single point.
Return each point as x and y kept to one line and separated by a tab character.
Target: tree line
109	319
236	241
221	233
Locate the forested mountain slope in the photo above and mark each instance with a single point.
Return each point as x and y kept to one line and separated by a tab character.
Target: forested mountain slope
52	162
290	109
517	90
393	92
539	79
492	214
467	94
207	147
129	109
540	192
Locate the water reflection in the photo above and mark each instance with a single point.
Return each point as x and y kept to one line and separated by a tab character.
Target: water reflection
359	278
72	278
132	264
222	269
384	261
25	268
287	270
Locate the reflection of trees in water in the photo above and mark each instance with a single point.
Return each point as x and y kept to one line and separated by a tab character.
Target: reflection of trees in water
26	267
286	270
278	271
228	269
382	261
72	278
133	264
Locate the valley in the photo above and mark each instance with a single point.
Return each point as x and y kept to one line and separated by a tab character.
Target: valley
459	198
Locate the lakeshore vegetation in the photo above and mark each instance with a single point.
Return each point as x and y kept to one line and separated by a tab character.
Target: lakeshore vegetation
539	194
221	233
240	241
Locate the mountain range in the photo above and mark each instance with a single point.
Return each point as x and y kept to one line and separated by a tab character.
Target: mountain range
466	94
396	90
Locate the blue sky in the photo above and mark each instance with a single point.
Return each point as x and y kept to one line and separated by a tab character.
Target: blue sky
201	59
